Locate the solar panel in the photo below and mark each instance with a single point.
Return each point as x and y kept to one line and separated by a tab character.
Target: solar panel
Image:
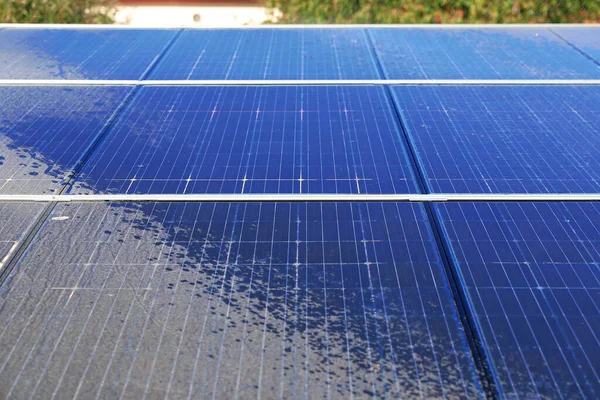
269	54
509	139
45	131
224	300
530	272
493	53
586	40
79	54
252	139
15	223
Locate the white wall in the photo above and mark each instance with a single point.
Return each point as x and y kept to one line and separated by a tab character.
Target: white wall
183	16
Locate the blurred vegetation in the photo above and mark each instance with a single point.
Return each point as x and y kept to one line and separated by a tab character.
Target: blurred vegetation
337	11
436	11
58	11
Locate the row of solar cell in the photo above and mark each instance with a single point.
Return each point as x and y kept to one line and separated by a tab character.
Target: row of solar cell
288	300
251	139
203	140
45	132
531	278
509	139
80	54
227	300
306	139
345	53
488	53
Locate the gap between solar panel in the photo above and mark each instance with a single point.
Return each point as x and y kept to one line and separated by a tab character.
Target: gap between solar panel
293	82
320	198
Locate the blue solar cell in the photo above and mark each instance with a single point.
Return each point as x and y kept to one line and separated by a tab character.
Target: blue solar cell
307	139
44	132
225	300
79	54
584	39
527	53
510	139
530	273
269	54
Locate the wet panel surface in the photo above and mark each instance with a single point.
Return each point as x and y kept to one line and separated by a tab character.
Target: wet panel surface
79	54
45	131
281	300
15	222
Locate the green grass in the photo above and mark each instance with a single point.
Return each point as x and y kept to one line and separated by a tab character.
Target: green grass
57	11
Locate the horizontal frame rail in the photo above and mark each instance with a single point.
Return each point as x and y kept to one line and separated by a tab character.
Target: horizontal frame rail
304	26
299	197
298	82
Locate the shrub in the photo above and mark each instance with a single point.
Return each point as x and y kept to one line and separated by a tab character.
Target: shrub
436	11
57	11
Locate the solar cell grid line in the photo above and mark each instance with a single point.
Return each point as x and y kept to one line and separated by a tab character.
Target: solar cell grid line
479	54
585	41
201	299
268	54
504	139
44	130
79	54
179	140
530	275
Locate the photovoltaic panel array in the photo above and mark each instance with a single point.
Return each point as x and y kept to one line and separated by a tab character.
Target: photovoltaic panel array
492	53
303	299
269	54
505	139
79	54
227	300
531	275
253	139
45	131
